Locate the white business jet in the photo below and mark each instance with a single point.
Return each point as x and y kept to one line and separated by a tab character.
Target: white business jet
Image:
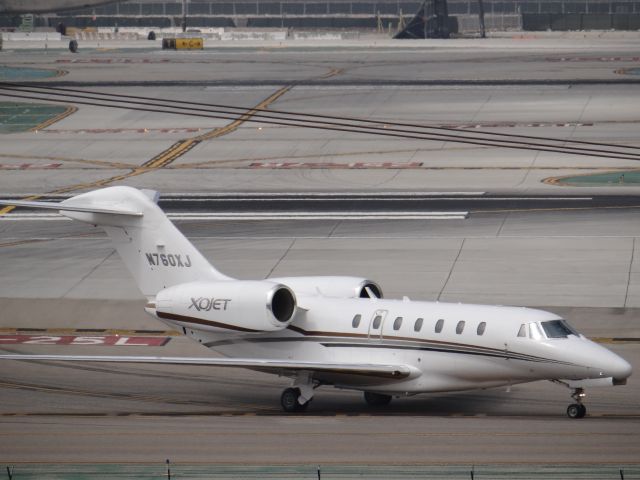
331	330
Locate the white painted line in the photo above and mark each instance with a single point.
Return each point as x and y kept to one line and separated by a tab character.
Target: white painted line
270	216
304	195
184	195
328	217
386	199
308	214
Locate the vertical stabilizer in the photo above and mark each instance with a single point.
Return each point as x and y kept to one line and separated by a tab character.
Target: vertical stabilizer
152	248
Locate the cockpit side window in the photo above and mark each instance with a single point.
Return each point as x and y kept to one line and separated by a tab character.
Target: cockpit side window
557	329
523	331
534	332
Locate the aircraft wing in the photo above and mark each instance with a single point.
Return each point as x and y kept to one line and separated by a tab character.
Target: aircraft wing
378	372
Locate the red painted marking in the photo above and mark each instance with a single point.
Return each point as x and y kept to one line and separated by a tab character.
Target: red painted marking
593	59
125	130
356	165
103	340
28	166
113	60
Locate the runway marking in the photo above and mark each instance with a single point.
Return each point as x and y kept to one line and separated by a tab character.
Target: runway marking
117	165
70	109
125	130
30	166
89	331
167	156
92	340
558	209
335	165
332	73
383	215
592	59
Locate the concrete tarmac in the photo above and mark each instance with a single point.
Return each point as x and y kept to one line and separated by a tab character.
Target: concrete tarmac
582	263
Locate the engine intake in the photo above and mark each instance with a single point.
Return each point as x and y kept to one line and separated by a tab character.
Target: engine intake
282	304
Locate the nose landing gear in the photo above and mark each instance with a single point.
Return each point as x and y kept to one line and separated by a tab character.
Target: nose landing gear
577	410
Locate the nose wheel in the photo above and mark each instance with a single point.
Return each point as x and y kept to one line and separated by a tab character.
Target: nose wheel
577	410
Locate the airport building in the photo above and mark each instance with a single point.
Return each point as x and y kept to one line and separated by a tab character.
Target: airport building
502	15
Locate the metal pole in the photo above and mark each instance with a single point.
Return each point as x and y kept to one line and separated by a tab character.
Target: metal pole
481	15
10	472
184	16
168	469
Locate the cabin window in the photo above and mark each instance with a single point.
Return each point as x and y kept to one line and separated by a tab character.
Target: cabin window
439	325
558	329
523	331
397	323
355	323
482	326
418	325
376	322
460	327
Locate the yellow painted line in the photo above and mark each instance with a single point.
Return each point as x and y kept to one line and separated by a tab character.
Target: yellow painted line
218	132
332	73
8	208
69	110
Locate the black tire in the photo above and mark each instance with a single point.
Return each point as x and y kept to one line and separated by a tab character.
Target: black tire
289	400
583	411
73	46
152	35
377	399
576	410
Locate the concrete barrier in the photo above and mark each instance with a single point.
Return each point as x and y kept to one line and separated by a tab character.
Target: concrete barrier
32	36
277	36
580	21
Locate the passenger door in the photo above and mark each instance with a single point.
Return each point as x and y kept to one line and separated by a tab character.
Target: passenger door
376	323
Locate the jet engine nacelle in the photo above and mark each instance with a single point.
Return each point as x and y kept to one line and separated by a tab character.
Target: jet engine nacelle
231	306
339	287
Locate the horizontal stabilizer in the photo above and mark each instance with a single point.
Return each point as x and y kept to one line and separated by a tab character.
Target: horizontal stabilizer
69	208
396	372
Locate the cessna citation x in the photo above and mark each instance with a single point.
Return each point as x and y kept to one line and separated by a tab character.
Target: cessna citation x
331	330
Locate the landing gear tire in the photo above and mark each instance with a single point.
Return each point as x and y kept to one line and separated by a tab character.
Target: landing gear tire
576	410
289	401
376	399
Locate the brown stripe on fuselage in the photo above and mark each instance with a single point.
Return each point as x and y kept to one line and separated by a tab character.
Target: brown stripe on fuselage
200	321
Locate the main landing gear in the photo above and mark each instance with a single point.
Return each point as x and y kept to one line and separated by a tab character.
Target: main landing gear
298	397
577	410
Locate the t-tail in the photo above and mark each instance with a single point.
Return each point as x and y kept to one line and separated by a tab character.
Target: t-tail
152	248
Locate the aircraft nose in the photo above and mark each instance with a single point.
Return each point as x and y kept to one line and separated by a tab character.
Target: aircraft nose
619	369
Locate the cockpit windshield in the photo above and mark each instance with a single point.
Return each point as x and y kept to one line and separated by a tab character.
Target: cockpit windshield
558	329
